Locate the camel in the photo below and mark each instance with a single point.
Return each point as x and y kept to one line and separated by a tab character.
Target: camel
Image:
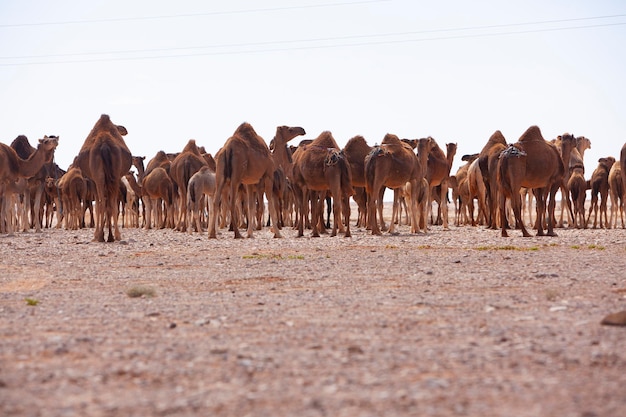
201	185
567	158
133	197
488	164
244	159
157	190
622	165
460	183
356	150
616	192
319	168
283	162
187	163
578	190
12	167
532	163
393	164
437	174
73	190
599	183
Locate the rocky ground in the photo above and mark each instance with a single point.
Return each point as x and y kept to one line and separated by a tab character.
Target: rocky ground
460	322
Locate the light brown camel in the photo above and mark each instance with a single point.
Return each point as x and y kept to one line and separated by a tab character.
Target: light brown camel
599	183
187	163
616	192
488	163
532	162
356	150
245	159
13	167
200	192
133	197
73	189
105	159
577	186
622	165
437	174
157	190
465	211
393	164
565	150
319	168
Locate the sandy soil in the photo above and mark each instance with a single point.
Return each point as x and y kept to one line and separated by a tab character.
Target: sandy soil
460	322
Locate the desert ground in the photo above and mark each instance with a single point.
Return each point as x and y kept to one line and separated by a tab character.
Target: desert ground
451	323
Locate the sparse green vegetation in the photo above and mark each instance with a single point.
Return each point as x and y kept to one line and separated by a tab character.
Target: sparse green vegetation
31	301
140	291
508	247
552	295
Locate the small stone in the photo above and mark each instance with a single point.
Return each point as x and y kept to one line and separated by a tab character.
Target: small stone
172	325
615	319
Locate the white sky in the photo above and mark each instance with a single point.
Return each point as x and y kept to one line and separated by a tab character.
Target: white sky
172	71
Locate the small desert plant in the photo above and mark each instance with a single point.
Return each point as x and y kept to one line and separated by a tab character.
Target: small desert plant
140	291
31	301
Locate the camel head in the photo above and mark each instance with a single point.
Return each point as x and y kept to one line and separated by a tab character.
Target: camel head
48	145
470	158
122	130
285	133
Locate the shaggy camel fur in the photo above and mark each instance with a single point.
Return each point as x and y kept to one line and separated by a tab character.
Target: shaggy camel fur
532	163
356	150
13	167
599	183
157	190
437	174
187	163
319	168
488	163
105	158
393	164
616	192
200	191
244	159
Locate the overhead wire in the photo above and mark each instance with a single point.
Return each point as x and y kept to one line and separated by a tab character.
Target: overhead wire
305	44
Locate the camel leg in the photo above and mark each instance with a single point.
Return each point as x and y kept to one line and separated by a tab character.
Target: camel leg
372	208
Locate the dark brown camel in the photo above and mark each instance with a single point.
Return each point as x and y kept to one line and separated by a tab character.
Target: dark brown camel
599	183
616	192
73	189
244	159
105	159
356	150
319	168
532	163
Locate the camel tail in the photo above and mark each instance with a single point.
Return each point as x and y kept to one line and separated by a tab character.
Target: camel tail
503	179
111	183
191	193
346	176
370	168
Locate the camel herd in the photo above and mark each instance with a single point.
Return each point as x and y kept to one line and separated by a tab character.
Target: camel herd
194	191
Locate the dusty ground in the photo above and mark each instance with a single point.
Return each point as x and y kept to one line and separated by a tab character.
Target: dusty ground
459	322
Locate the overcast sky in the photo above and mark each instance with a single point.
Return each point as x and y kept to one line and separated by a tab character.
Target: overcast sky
454	70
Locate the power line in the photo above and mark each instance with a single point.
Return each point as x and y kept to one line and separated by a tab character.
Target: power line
187	15
303	47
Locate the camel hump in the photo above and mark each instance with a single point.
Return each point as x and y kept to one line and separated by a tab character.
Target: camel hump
192	147
326	140
390	139
532	133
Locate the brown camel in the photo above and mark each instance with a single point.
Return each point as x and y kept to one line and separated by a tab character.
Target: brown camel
157	190
622	165
319	168
599	183
245	160
13	167
105	159
488	164
393	164
73	190
616	192
187	163
465	210
356	150
437	174
532	163
577	186
281	154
